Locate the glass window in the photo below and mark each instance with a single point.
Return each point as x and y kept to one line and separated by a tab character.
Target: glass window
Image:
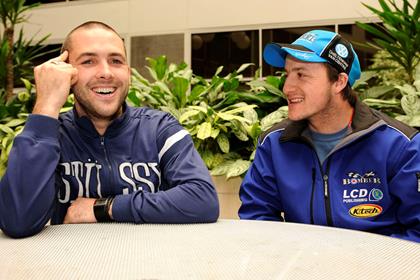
358	37
53	51
154	46
230	49
285	36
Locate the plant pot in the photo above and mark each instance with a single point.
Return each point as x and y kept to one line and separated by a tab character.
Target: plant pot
228	193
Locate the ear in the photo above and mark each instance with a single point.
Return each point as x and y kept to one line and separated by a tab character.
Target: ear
341	82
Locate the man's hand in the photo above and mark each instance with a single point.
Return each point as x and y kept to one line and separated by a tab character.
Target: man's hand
53	80
80	211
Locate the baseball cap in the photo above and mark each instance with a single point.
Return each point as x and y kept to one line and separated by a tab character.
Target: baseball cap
317	46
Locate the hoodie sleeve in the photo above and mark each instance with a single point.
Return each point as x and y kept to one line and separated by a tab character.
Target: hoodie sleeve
27	190
190	197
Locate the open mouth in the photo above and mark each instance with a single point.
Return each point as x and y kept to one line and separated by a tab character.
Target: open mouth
104	90
295	100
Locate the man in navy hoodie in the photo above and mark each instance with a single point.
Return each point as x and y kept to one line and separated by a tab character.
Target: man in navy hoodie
103	161
334	161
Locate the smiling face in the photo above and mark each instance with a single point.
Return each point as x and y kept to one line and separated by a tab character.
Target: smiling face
310	94
103	73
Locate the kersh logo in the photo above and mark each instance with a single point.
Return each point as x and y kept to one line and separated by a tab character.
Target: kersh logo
365	210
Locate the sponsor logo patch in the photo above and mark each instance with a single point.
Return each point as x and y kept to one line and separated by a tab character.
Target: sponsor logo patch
365	210
342	50
356	178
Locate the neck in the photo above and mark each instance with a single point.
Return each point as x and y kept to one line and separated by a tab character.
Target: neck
334	119
100	123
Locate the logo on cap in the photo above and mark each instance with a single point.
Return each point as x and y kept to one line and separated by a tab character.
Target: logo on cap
341	50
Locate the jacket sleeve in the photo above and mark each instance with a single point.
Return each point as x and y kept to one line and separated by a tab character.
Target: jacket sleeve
27	190
190	196
405	186
258	192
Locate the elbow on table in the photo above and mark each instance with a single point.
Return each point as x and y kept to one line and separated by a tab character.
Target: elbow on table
20	230
210	211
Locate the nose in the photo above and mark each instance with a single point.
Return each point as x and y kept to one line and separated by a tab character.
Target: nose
104	71
289	85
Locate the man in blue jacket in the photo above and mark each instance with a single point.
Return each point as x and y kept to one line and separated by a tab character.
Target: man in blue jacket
102	161
334	161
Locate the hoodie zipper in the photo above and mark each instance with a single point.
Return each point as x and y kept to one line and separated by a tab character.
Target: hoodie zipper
108	162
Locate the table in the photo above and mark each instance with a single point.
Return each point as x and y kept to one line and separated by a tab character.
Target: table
228	249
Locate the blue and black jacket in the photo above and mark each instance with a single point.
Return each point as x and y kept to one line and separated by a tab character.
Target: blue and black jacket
370	181
145	158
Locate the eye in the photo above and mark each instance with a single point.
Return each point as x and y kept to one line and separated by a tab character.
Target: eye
87	61
116	61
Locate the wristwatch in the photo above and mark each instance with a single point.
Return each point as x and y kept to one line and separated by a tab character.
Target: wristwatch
101	209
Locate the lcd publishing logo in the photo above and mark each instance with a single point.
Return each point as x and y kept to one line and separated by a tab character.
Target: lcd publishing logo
356	178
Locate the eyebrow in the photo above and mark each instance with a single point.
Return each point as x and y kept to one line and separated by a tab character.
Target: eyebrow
299	68
91	54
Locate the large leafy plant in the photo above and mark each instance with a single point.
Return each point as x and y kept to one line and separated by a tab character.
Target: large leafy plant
399	33
12	12
223	114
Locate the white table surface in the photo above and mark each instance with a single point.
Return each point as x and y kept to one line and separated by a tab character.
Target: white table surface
228	249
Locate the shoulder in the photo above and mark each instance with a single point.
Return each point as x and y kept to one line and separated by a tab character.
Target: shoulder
397	126
148	113
275	130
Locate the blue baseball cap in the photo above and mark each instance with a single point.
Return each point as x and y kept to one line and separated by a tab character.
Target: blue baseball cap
317	46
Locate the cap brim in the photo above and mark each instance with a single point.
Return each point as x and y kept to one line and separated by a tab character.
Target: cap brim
275	54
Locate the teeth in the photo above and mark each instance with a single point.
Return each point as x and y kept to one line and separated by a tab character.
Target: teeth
295	100
104	90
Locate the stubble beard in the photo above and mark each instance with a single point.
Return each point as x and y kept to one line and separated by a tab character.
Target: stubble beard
93	111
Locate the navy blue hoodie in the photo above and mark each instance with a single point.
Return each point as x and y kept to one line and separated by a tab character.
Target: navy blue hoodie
145	158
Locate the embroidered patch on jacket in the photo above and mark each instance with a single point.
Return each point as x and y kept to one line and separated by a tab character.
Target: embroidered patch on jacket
365	210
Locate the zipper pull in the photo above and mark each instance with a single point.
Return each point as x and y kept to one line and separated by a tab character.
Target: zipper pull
325	185
102	141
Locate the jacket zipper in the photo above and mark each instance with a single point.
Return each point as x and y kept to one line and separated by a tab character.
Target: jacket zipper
327	195
312	196
107	160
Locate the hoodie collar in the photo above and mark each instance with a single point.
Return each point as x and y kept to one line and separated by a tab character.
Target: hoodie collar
86	125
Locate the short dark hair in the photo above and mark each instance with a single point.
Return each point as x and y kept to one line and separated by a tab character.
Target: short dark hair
88	25
348	92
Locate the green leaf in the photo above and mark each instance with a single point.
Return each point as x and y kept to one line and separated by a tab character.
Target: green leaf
218	70
204	131
270	88
221	169
243	67
274	117
15	122
230	117
251	115
6	129
188	114
214	133
410	104
223	142
181	86
196	92
238	168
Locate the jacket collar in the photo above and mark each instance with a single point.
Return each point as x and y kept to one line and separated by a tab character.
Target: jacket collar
363	118
86	125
